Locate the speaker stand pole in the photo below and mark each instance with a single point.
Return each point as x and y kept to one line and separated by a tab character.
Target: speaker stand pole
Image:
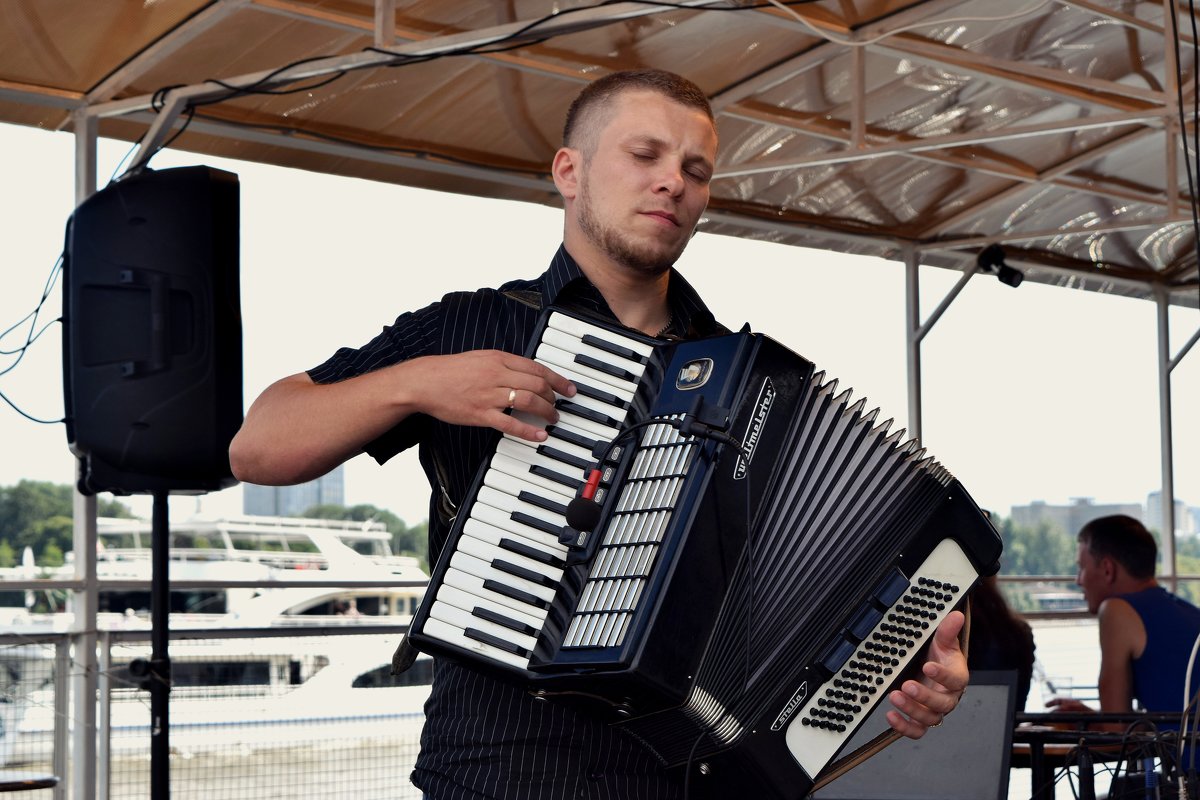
160	662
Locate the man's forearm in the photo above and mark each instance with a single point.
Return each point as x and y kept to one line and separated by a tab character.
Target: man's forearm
298	430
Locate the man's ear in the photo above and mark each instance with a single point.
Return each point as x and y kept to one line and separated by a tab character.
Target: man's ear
1108	568
566	169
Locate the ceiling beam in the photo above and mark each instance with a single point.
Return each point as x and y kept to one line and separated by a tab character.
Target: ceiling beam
1077	89
354	24
925	144
292	140
1125	19
33	95
1013	190
1015	236
149	57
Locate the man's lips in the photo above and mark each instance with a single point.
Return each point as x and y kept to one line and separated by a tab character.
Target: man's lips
665	216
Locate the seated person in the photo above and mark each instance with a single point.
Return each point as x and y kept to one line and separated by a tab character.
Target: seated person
1000	639
1146	633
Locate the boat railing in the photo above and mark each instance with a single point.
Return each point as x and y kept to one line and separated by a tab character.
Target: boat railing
275	735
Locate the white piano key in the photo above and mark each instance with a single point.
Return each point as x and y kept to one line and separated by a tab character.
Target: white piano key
462	619
578	328
561	360
490	533
573	344
473	584
492	553
437	629
502	519
521	471
482	569
511	504
467	601
528	454
586	426
513	485
573	373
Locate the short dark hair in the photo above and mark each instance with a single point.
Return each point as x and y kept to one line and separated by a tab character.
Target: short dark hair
1123	539
583	115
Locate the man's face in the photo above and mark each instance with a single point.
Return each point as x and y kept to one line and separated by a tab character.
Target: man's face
645	185
1092	578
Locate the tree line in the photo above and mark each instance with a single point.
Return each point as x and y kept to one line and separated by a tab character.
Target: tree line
38	515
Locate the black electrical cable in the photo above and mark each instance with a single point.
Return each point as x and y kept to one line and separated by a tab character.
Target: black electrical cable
34	334
1187	158
159	97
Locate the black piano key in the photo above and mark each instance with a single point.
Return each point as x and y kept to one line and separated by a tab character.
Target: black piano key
606	368
496	641
541	556
542	502
534	522
514	593
558	432
587	413
614	348
507	622
599	395
527	574
558	455
557	477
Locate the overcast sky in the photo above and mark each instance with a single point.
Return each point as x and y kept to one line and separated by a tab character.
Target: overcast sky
1033	393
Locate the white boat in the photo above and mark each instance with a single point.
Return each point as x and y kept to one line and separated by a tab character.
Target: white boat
261	693
262	550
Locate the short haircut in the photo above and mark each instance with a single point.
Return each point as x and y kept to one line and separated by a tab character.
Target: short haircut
1123	539
586	114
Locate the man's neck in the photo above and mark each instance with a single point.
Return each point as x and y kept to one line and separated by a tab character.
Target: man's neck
637	299
1133	585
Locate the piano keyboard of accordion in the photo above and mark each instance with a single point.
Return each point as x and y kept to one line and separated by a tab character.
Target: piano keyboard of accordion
740	612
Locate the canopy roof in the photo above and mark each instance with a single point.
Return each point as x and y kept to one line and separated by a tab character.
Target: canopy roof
884	127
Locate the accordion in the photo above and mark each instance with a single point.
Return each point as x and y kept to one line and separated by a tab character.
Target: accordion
768	559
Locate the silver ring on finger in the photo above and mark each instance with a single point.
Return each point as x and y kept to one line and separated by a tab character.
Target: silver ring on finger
512	398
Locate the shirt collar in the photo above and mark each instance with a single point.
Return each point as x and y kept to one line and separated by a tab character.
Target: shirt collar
690	317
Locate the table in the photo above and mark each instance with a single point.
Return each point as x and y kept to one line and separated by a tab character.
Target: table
1045	743
19	781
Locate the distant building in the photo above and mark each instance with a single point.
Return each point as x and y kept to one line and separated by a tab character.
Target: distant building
1073	516
288	501
1185	520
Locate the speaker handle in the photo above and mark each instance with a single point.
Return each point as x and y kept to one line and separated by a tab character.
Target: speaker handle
160	321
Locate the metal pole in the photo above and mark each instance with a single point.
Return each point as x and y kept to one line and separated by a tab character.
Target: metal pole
104	720
912	307
1166	438
83	629
62	715
160	664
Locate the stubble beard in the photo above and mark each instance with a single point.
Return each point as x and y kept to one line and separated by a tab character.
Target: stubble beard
614	244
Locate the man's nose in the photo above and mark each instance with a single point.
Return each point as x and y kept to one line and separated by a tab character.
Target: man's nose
671	181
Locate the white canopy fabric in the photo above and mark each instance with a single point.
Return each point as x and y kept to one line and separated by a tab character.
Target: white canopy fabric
918	129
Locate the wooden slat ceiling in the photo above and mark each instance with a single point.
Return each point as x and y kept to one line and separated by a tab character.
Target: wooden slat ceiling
1051	127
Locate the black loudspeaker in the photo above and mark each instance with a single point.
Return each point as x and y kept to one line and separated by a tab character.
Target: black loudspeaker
152	333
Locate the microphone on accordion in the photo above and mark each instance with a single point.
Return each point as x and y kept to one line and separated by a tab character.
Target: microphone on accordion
726	556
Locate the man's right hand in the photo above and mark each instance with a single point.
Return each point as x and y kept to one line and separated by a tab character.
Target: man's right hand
474	388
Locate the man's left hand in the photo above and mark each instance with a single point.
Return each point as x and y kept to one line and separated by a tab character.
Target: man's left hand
922	704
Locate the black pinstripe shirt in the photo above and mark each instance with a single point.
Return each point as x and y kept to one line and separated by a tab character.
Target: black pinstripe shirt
485	738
